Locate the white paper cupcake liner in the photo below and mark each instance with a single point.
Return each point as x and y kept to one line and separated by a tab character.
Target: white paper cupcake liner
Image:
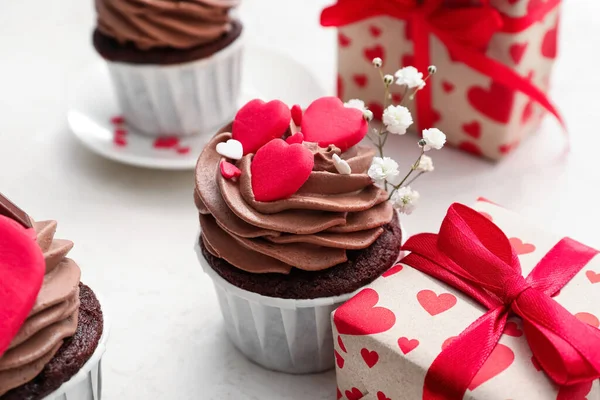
87	383
287	335
181	100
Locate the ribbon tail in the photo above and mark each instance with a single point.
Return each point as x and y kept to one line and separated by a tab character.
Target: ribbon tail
452	372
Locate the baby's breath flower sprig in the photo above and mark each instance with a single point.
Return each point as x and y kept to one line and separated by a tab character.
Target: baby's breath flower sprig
396	120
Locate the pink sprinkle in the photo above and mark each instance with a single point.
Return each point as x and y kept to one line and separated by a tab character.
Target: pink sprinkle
166	142
183	150
120	141
117	120
120	132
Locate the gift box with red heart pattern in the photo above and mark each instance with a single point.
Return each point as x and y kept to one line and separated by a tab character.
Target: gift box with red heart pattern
388	336
482	110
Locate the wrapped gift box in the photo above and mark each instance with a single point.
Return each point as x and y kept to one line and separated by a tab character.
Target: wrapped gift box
390	333
469	101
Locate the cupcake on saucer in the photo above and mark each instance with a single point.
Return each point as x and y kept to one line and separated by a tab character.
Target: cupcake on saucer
53	333
175	64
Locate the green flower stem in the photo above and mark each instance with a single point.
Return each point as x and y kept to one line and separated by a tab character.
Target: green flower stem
412	169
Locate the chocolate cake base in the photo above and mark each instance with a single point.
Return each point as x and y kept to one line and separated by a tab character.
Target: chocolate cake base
362	267
73	354
110	49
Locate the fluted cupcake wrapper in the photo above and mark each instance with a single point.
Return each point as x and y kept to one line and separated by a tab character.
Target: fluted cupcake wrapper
181	100
87	383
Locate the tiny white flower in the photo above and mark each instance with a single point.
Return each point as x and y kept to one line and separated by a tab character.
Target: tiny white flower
425	164
342	166
388	80
410	77
383	169
432	69
397	119
433	139
356	103
377	62
368	115
405	200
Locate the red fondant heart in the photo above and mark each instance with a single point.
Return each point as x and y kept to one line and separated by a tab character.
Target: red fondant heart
527	112
511	329
280	169
360	80
297	137
339	394
588	318
229	170
517	51
296	112
495	103
341	344
470	148
407	345
376	108
436	304
394	270
165	142
326	121
593	276
370	357
257	123
575	392
549	45
447	86
520	247
22	269
374	52
354	394
382	396
339	359
343	40
472	129
375	31
501	358
359	316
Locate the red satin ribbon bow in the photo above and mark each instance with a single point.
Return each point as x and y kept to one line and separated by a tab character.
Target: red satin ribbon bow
473	255
465	31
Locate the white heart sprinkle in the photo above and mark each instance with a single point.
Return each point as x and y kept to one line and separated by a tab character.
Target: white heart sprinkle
341	165
231	149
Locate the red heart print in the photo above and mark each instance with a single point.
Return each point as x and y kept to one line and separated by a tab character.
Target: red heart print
495	103
488	216
517	51
183	150
326	121
370	357
297	137
508	147
447	86
359	316
339	359
592	276
535	363
120	141
520	247
341	344
407	60
527	112
257	123
340	86
22	269
436	304
407	345
354	394
472	129
339	394
296	112
448	341
166	142
511	329
229	170
394	270
501	358
435	117
375	31
549	44
280	169
470	148
382	396
360	80
343	40
588	318
396	98
574	392
374	52
376	108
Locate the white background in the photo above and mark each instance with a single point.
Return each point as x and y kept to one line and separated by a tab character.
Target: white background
134	228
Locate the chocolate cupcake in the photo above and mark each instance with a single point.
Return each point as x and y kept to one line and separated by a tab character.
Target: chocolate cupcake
291	226
175	65
53	334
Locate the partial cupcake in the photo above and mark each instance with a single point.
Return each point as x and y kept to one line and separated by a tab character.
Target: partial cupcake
175	65
291	225
53	331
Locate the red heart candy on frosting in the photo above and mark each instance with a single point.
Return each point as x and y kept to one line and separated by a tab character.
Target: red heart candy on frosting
326	121
280	169
22	269
257	123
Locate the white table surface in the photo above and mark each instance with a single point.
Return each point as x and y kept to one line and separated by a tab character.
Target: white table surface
134	228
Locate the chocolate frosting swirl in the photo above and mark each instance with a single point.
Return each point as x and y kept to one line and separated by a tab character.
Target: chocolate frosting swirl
311	230
54	315
180	24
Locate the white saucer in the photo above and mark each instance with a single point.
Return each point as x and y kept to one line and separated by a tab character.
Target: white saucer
267	75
